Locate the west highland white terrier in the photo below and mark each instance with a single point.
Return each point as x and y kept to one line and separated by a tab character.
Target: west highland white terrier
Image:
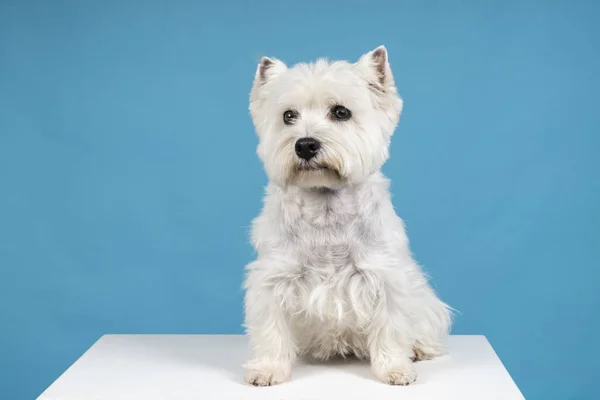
334	274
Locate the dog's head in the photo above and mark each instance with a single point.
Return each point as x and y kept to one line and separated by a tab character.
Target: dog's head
325	124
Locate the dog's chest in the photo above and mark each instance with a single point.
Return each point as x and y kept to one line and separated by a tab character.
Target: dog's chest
330	237
327	234
324	240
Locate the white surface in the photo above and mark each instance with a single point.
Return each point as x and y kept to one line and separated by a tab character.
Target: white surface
189	367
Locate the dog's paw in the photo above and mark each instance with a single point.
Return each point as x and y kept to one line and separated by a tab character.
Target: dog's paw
422	354
402	376
266	376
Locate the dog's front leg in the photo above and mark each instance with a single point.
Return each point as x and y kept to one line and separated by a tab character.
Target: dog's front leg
390	349
270	335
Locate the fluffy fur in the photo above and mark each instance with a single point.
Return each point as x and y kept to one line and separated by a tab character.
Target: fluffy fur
334	274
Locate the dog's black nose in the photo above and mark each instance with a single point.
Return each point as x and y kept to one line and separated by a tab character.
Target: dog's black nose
307	148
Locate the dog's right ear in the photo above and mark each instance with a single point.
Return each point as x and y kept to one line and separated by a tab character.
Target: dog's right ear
267	69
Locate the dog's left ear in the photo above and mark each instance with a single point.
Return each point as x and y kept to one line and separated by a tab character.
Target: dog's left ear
377	69
374	67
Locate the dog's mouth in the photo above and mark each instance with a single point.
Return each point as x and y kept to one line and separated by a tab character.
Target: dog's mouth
313	167
316	167
316	174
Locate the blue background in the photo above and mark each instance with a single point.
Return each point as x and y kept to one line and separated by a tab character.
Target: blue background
128	174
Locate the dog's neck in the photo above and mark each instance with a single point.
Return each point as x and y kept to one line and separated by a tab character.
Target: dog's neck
374	180
323	190
323	194
330	210
347	201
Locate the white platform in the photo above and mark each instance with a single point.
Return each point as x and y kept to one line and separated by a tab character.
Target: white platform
206	367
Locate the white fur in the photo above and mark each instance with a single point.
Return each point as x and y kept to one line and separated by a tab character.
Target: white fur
334	273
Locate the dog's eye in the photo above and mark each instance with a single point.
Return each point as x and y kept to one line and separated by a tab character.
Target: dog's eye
289	117
340	113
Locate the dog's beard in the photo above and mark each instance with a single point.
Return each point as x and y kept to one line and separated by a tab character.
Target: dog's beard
327	170
311	174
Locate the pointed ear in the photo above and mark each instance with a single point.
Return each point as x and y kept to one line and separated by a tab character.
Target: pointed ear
267	69
376	66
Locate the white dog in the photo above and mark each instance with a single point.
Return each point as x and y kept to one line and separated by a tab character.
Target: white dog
334	274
